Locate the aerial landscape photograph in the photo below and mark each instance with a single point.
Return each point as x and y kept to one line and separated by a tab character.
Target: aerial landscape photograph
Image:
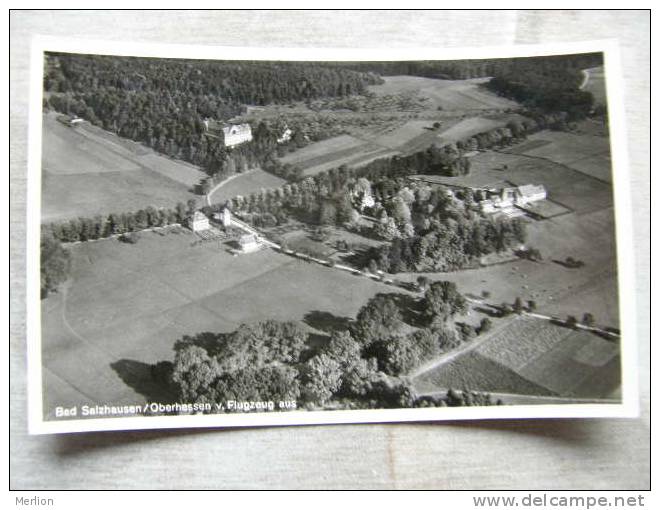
229	236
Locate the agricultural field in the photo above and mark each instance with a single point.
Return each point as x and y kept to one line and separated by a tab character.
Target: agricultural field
364	144
467	128
244	184
334	152
404	137
86	171
125	306
449	95
585	153
533	357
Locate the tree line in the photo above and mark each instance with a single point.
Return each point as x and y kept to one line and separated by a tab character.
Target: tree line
104	226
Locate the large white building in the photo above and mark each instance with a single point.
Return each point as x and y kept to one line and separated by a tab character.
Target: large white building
198	221
531	193
236	134
507	198
231	134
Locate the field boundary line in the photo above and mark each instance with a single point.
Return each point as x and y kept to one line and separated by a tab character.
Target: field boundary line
460	350
602	181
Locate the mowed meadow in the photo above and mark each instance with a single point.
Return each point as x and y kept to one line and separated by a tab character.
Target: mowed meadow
126	305
87	171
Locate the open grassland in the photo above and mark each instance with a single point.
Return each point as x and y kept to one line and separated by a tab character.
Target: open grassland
244	184
334	152
318	149
533	357
446	94
409	136
467	128
585	153
125	306
86	171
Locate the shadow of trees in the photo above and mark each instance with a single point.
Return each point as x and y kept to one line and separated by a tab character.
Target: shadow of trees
141	377
210	342
326	321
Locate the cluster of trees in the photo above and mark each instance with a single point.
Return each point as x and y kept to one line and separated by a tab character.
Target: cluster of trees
163	103
549	84
103	226
55	263
454	399
255	362
434	233
364	365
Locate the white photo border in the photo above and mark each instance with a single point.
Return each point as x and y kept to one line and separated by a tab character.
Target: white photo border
629	406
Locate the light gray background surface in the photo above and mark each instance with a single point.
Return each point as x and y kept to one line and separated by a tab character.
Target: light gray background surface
582	454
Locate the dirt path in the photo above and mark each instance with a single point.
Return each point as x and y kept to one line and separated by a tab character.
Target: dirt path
221	184
462	349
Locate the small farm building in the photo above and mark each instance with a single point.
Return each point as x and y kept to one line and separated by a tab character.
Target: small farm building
198	221
249	243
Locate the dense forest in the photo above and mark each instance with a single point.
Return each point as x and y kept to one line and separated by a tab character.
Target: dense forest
363	365
481	68
163	102
549	84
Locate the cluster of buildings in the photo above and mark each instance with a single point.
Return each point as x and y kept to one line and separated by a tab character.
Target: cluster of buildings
198	222
507	198
237	134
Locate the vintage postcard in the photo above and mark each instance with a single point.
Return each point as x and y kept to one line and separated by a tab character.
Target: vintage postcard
262	236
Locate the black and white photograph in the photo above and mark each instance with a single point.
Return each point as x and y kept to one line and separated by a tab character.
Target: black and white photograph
264	241
329	250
